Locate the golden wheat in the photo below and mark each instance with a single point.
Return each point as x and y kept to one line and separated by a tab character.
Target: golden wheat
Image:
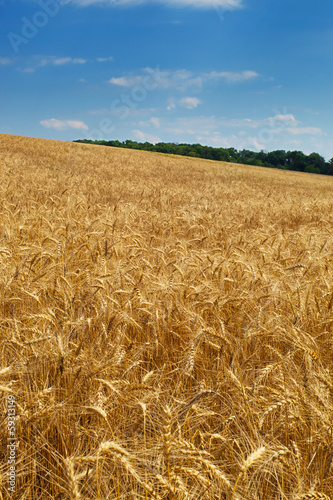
166	326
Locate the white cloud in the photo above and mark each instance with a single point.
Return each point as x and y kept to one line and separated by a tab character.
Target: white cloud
64	124
237	122
233	141
150	78
104	59
199	4
124	81
305	130
281	121
171	105
287	123
58	61
143	137
232	77
155	121
152	122
79	61
181	79
40	62
189	102
280	131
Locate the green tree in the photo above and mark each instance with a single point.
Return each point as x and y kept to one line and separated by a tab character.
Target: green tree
277	158
317	162
296	160
311	169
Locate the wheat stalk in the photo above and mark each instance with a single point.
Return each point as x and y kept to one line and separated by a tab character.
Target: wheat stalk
158	317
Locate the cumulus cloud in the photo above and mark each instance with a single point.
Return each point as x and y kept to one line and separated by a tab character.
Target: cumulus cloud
64	124
197	4
189	102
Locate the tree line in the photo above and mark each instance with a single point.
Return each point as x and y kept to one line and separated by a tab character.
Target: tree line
286	160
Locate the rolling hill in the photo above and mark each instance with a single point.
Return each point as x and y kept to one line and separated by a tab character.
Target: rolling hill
166	326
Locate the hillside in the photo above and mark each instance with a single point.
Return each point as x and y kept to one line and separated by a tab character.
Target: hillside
286	160
166	326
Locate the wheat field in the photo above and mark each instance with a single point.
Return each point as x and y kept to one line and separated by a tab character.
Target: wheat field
166	326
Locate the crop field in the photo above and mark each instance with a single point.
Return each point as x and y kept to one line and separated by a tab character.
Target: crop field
166	326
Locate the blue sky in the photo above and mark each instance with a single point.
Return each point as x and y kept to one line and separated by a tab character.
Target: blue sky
254	74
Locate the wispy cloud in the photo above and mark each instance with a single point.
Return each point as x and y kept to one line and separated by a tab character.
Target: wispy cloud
197	4
155	121
104	59
182	79
64	124
281	131
288	123
42	61
126	81
283	121
152	122
171	105
232	77
185	102
59	61
305	130
189	102
218	140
